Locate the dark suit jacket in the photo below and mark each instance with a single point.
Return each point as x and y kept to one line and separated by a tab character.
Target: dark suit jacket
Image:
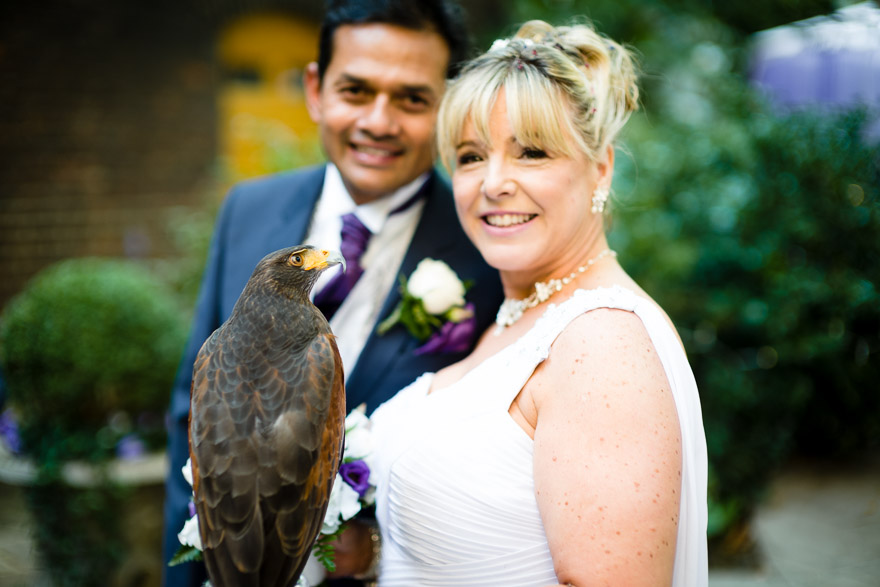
266	214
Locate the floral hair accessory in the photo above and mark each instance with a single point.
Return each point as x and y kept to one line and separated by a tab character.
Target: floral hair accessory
499	44
432	308
353	489
503	43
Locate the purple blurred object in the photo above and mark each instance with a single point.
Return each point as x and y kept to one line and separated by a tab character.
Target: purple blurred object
453	337
130	447
831	60
357	475
9	432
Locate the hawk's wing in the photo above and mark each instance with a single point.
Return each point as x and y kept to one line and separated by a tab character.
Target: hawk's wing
266	427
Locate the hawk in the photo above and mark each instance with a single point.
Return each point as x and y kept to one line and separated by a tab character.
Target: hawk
267	414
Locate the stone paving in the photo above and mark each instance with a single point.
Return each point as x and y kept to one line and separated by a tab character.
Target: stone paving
18	561
820	527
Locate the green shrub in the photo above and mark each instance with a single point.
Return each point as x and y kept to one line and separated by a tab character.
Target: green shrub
89	350
761	245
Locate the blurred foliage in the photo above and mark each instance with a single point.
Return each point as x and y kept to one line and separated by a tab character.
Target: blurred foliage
761	252
89	349
78	531
749	17
757	231
189	230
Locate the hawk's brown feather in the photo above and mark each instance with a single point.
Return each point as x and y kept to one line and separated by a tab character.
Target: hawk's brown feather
266	427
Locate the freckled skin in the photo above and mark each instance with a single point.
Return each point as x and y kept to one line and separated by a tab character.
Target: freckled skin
628	433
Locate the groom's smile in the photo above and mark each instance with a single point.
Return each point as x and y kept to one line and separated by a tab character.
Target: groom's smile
375	154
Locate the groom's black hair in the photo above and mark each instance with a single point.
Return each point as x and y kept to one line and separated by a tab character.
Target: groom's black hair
444	17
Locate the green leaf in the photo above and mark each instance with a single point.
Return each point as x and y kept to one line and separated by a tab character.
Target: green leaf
185	554
389	322
416	319
324	550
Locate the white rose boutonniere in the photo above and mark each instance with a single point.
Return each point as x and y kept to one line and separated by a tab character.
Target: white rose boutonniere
437	286
433	309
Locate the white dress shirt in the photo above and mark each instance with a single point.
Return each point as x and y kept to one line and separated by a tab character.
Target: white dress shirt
357	316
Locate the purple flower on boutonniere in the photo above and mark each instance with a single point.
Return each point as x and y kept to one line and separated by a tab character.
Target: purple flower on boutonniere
357	475
432	308
453	337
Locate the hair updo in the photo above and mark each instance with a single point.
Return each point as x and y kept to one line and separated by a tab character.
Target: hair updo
567	88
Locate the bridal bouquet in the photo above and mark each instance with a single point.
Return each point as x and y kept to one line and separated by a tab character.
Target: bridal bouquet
353	490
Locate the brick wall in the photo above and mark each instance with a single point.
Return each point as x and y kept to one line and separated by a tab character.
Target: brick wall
107	120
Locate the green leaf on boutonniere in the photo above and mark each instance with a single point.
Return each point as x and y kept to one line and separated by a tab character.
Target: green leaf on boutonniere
389	322
415	319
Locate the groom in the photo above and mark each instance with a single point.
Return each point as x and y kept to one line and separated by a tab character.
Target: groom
374	93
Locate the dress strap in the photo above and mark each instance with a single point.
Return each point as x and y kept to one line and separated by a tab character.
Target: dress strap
557	317
533	347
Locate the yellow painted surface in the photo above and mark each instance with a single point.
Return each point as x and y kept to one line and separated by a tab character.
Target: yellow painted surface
264	124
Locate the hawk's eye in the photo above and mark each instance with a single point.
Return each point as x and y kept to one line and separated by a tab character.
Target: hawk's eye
296	260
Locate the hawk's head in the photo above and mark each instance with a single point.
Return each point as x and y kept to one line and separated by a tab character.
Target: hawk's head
295	270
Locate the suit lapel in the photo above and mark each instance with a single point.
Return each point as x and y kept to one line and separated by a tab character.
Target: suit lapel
295	217
429	240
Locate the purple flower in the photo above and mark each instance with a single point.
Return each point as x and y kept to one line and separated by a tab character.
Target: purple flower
191	508
9	432
357	475
453	337
130	447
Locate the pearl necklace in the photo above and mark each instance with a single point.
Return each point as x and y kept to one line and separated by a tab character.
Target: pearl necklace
512	310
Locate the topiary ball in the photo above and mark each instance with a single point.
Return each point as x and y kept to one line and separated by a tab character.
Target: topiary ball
89	347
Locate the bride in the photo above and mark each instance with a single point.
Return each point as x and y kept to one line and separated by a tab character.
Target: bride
568	448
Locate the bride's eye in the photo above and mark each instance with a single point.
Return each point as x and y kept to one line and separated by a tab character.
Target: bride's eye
467	157
533	153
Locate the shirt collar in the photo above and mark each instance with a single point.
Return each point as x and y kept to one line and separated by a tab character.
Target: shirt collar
373	214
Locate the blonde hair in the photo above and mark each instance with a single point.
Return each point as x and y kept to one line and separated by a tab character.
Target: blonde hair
563	84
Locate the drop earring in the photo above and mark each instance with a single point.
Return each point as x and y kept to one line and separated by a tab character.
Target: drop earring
600	196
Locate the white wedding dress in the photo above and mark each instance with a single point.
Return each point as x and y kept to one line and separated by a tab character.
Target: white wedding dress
455	493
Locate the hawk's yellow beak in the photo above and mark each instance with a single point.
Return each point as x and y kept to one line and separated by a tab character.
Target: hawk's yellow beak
321	259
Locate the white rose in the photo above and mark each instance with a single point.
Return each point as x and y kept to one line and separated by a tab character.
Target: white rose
358	437
188	472
358	444
437	285
357	418
344	502
189	536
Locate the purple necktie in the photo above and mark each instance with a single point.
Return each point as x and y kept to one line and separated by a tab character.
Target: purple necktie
355	237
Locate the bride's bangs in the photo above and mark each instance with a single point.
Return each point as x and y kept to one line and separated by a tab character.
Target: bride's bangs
470	98
538	113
